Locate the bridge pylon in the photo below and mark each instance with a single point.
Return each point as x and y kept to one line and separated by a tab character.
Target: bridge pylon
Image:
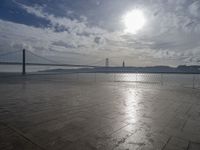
123	64
107	62
23	62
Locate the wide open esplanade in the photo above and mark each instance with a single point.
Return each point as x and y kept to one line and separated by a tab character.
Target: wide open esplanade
54	112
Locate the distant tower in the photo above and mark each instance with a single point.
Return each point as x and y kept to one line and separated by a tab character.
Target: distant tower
107	62
123	64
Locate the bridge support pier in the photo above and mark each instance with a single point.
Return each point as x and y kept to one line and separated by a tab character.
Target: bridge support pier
23	62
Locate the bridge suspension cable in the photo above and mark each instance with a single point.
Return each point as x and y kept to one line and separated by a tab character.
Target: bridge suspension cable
49	60
11	52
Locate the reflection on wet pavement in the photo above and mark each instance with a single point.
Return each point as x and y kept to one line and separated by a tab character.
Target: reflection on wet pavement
52	113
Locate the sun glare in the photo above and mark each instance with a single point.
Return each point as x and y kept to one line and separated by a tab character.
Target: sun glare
134	21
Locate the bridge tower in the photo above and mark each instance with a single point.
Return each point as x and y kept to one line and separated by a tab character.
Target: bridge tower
107	62
23	62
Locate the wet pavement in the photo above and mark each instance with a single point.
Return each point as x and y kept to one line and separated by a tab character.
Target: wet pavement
55	113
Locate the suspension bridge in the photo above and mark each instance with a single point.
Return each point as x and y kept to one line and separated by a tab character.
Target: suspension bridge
28	58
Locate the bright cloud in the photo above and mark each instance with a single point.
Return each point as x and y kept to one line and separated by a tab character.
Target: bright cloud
170	36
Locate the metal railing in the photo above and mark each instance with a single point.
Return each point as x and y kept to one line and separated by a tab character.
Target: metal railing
157	79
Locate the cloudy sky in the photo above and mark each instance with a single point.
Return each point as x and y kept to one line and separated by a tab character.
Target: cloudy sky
86	31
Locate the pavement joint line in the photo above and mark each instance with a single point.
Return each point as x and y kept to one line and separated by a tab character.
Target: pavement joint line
183	126
189	145
188	117
124	139
119	129
189	109
22	135
166	143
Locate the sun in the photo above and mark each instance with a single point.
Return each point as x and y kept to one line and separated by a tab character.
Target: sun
134	21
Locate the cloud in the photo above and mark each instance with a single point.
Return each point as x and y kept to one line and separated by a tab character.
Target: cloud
71	25
170	36
194	9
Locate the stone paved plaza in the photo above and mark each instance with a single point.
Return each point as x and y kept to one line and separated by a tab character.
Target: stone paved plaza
55	113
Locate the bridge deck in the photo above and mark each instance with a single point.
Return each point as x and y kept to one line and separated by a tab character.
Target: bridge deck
54	113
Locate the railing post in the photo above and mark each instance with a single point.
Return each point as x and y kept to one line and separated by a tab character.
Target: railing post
23	62
198	79
114	77
77	76
95	77
193	81
162	80
136	77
